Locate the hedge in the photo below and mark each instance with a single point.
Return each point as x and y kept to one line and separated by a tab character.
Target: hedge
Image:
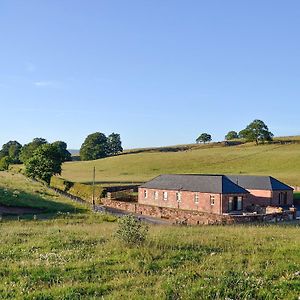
77	189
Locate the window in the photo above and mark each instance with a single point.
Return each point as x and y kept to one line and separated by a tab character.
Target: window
165	196
212	200
145	194
196	198
279	198
239	205
178	196
230	204
155	194
285	199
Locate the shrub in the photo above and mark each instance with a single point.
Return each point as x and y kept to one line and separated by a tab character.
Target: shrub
4	163
131	231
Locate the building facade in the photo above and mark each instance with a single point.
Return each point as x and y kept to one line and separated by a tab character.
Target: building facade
216	194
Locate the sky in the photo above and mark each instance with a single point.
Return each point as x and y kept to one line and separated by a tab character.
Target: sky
159	72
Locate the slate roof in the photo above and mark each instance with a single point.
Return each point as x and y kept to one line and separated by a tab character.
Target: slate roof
259	183
219	184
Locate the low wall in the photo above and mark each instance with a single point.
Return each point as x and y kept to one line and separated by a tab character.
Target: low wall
195	217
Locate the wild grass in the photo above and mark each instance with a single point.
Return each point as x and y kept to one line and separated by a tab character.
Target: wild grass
79	258
18	191
280	161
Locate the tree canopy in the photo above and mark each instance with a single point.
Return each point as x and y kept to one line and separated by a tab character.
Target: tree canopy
203	138
11	150
256	131
94	147
28	149
231	135
114	144
65	155
44	163
97	145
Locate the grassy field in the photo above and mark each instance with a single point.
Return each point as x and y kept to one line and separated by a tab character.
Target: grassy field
281	161
75	255
18	191
78	257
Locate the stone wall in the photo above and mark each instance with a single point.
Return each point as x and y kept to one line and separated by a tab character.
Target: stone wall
195	217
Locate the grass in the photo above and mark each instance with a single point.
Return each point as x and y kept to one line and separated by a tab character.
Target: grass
280	161
19	191
78	257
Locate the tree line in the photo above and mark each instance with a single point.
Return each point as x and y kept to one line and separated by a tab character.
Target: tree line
257	131
42	160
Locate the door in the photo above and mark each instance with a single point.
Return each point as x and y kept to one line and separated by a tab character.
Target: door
235	203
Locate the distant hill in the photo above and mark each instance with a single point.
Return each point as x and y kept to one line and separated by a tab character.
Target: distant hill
74	151
280	159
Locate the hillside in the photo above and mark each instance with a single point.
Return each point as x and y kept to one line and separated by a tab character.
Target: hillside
279	160
19	195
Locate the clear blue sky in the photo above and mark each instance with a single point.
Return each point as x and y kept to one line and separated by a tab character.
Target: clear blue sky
159	72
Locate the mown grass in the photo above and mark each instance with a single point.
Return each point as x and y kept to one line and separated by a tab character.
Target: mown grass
18	191
280	161
79	258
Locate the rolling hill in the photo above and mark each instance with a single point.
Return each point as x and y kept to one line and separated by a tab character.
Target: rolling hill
280	159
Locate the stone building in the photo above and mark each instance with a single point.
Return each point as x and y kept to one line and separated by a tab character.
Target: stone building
217	194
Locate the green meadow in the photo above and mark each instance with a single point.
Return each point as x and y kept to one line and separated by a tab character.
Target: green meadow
279	160
68	252
78	257
18	191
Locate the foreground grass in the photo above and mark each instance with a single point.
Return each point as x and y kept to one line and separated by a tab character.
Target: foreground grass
77	257
280	161
18	191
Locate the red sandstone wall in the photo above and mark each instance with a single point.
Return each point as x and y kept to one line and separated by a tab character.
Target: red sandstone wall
194	217
275	198
266	197
187	200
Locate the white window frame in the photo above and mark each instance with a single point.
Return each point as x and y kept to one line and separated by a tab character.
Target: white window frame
212	200
196	197
155	195
145	194
165	196
178	196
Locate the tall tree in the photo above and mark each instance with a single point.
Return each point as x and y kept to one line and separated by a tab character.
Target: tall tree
203	138
231	135
94	147
256	131
62	149
114	144
44	163
11	150
28	149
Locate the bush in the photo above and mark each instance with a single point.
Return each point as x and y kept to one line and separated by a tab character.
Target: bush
4	163
131	231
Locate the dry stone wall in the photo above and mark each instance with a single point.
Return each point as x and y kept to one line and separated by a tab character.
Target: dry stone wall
194	217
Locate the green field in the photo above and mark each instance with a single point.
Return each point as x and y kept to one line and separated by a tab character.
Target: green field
280	161
78	257
18	191
75	255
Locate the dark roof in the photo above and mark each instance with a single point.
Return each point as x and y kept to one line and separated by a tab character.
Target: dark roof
219	184
259	182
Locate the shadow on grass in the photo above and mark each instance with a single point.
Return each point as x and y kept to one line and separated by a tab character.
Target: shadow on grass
13	202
